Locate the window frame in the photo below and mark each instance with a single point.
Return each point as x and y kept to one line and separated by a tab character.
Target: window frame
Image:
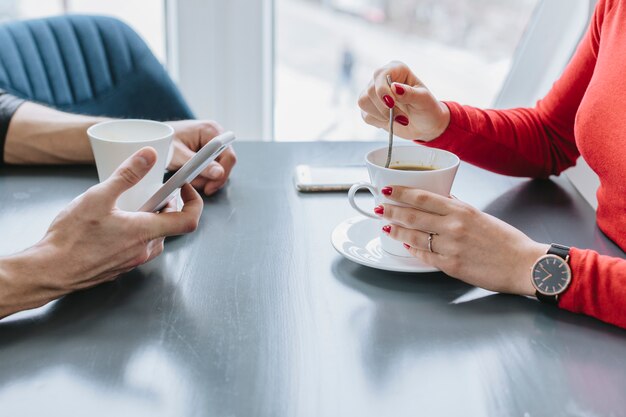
239	35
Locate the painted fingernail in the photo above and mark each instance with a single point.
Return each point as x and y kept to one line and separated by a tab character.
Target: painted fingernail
387	190
419	141
380	210
406	246
399	89
402	120
387	229
388	101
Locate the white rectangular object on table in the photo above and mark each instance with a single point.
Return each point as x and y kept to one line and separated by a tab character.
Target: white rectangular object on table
328	178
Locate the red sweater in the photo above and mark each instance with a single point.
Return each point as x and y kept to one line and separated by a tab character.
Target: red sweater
584	113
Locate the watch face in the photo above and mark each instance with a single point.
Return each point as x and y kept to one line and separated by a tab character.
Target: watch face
551	275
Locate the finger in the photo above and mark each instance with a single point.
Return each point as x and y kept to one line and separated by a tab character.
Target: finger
213	172
412	218
426	257
415	238
373	121
156	248
178	223
418	97
421	199
227	160
399	72
382	109
172	205
182	154
367	107
384	93
128	174
209	130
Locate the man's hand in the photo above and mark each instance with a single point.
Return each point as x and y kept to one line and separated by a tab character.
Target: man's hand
92	241
189	137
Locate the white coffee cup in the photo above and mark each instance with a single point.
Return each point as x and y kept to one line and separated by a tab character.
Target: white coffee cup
438	180
114	141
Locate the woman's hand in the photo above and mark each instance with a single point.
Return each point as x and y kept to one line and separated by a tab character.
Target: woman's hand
467	244
418	114
189	137
91	241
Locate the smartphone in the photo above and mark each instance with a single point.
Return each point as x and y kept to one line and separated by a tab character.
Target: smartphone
328	178
188	172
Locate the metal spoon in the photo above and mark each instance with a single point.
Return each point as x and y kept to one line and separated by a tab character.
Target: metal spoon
391	112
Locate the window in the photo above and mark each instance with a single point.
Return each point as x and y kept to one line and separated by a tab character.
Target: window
327	50
147	17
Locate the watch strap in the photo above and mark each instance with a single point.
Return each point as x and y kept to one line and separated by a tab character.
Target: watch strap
559	250
548	299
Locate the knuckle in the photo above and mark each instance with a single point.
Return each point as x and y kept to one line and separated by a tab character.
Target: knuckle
415	240
399	65
420	198
410	217
467	212
190	225
363	99
141	258
129	176
211	126
457	228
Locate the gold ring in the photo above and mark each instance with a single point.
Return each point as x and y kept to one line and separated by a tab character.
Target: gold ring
430	242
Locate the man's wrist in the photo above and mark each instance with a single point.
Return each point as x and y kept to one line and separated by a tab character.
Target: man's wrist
21	281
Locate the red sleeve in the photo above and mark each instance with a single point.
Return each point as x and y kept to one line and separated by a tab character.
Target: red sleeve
598	287
527	142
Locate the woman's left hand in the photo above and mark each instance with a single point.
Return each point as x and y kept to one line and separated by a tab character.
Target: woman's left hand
467	244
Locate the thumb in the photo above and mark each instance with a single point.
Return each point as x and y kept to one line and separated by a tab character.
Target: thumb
412	95
129	173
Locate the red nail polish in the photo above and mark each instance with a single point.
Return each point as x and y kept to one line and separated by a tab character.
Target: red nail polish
402	120
387	190
399	89
387	229
388	101
380	210
419	141
406	246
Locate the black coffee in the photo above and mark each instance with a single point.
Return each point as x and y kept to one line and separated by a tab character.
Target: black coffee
407	167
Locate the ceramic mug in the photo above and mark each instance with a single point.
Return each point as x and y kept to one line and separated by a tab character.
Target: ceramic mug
114	141
438	176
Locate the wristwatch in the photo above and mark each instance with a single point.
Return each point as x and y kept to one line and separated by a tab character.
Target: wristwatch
551	274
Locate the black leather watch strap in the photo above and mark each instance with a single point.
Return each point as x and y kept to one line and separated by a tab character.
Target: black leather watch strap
559	250
548	299
562	252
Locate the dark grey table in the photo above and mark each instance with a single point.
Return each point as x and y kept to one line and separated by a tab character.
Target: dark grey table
256	315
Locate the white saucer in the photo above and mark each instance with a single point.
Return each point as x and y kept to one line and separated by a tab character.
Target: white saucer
358	240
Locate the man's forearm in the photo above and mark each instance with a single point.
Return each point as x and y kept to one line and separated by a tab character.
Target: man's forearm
19	282
41	135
